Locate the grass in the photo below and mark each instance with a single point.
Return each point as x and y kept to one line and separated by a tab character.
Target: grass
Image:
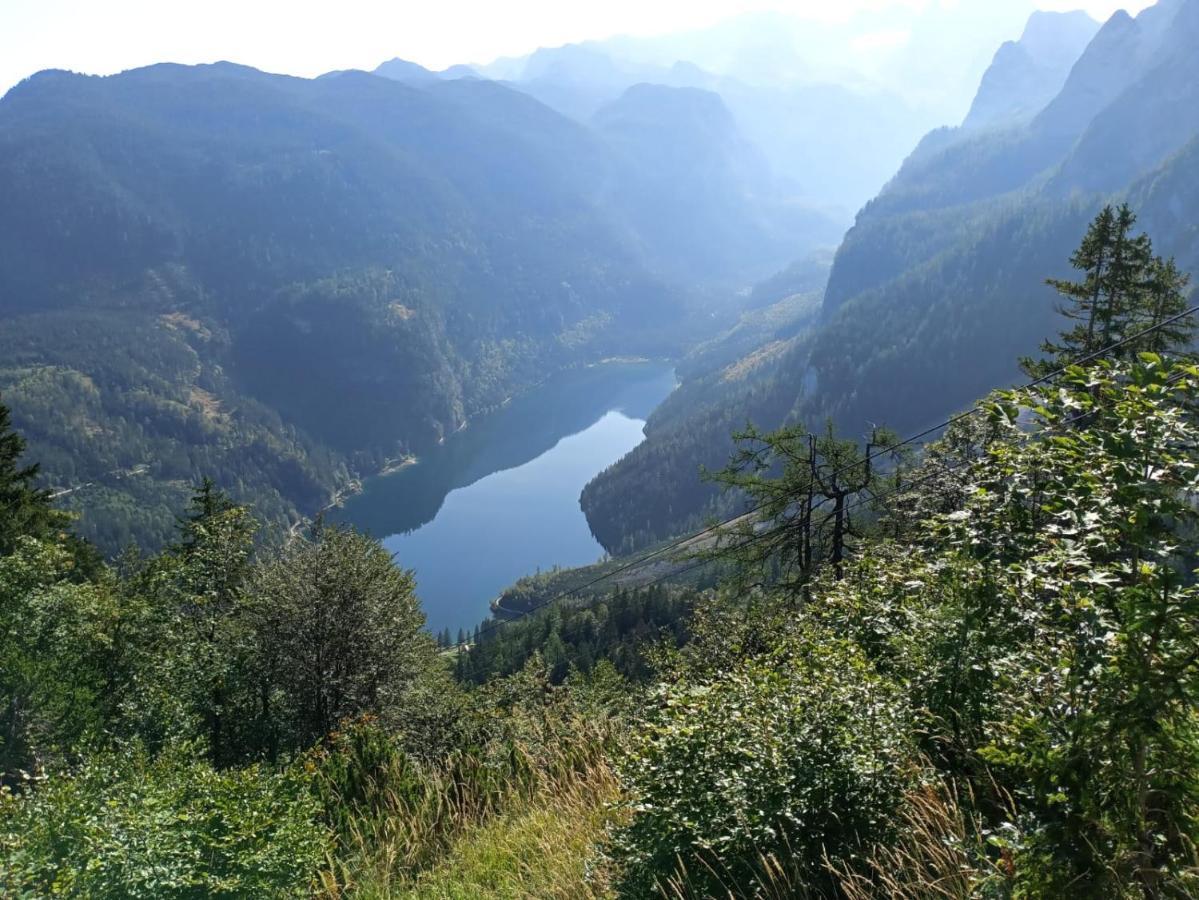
547	851
543	849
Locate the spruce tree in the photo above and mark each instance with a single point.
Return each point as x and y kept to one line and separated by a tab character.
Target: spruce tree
1124	290
24	509
1166	291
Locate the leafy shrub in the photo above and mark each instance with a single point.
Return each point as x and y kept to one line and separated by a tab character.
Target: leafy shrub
795	756
124	826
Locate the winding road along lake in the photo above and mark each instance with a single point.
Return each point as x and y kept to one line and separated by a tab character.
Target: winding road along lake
500	499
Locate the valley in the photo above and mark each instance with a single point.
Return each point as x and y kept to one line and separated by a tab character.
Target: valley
499	499
750	456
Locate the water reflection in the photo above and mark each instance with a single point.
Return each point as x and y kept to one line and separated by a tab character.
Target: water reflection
500	499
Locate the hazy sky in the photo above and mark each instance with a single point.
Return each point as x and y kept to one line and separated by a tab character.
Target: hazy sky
307	37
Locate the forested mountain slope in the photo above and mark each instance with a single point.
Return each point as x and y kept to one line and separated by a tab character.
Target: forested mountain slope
200	266
943	272
699	196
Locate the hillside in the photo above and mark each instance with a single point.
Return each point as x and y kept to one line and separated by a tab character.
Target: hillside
200	264
902	675
944	270
699	196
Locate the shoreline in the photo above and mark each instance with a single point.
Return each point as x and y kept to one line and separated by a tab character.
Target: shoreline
358	483
353	488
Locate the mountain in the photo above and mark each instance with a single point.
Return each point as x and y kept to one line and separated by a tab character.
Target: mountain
700	196
402	70
1026	74
283	283
943	272
835	104
696	191
835	144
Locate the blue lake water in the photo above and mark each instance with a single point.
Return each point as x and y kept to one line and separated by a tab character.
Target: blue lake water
500	499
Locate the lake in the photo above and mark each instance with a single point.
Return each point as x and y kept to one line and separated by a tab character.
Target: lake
500	499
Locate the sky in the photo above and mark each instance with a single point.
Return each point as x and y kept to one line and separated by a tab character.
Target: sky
308	37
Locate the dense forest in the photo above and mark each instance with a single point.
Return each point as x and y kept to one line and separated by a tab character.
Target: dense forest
966	668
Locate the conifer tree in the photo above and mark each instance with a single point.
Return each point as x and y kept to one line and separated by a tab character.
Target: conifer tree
803	486
24	509
1166	293
1124	290
211	565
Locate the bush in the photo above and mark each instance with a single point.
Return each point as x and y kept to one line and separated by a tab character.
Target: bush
124	826
781	762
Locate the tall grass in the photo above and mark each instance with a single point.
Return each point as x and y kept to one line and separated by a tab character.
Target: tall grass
544	851
942	853
396	820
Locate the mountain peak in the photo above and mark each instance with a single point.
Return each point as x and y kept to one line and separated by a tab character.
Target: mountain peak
1049	33
402	70
1027	74
1104	69
687	112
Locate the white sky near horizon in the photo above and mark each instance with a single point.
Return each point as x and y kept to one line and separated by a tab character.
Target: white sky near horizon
308	37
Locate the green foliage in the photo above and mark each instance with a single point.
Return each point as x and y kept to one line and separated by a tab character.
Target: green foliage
199	589
124	825
1047	630
57	663
1028	634
24	509
1125	290
361	772
618	628
790	757
1100	737
338	633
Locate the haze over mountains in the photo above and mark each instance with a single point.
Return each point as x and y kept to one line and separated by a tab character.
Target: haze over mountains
834	106
201	263
943	271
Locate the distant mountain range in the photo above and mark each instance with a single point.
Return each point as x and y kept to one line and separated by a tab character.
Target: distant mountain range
285	283
833	105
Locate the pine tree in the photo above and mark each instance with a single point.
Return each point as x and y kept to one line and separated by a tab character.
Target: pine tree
1125	289
1166	291
24	509
210	569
